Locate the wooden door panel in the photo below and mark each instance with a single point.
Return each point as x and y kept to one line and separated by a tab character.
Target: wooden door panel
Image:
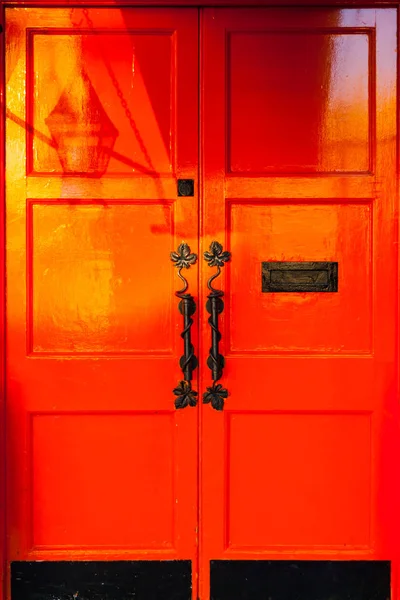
264	101
139	67
312	323
106	306
88	449
102	121
299	166
312	498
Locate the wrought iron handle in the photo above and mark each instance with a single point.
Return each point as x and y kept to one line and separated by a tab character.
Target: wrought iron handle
185	395
215	394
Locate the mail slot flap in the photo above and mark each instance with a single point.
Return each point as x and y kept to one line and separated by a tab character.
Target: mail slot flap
299	276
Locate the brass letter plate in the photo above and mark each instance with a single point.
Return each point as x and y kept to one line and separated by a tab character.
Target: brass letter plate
299	276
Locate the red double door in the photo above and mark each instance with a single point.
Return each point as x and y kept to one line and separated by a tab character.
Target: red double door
282	124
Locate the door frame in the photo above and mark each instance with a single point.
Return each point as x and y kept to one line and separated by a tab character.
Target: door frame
121	4
202	3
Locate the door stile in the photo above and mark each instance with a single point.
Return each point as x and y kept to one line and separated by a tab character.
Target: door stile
203	340
3	515
213	228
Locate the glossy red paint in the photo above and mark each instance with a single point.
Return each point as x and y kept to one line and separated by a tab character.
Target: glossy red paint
100	465
298	163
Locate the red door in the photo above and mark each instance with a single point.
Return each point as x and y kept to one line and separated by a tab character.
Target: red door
102	120
299	163
293	454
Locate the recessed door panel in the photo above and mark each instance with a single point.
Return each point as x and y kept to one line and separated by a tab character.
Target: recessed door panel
307	230
135	71
321	96
108	289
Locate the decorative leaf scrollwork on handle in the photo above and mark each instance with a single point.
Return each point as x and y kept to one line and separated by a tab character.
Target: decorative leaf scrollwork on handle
216	394
185	396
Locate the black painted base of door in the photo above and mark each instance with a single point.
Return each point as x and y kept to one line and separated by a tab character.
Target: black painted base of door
102	580
299	580
172	580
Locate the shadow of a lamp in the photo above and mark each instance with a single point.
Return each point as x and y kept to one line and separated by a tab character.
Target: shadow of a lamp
81	130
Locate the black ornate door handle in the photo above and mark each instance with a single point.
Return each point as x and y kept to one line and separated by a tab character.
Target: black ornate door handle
185	395
215	394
